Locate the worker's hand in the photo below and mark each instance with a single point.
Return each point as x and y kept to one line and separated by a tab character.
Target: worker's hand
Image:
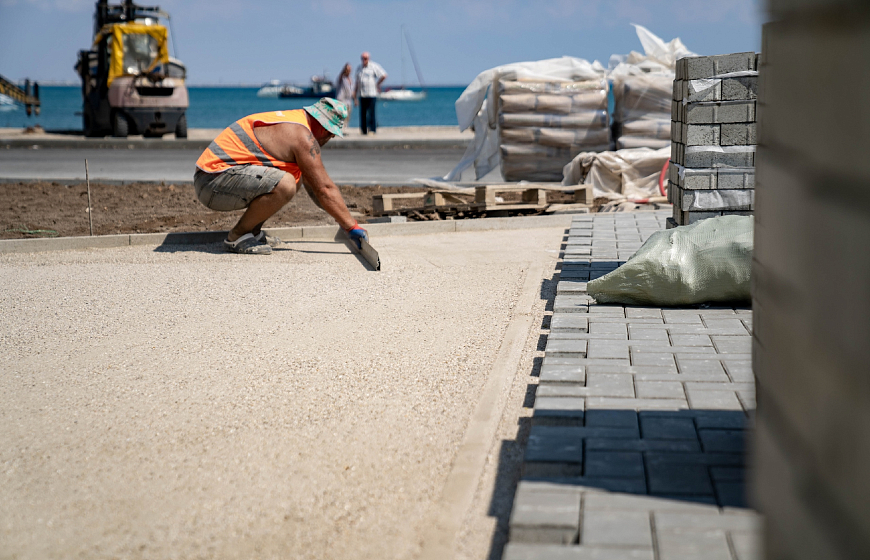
357	234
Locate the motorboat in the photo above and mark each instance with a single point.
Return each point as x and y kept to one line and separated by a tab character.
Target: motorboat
402	95
320	86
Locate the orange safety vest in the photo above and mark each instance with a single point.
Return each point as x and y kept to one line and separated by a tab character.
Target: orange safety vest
237	145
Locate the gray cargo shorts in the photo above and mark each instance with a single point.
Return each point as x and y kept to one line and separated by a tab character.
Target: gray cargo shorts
236	187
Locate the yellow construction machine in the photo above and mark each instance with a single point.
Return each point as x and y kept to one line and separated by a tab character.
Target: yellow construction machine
130	84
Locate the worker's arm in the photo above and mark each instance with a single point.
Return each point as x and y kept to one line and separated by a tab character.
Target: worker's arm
384	77
307	156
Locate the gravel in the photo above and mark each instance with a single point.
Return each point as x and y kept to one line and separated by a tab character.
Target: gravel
187	403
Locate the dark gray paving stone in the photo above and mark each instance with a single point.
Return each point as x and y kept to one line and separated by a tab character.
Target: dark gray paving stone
618	464
668	428
724	441
677	479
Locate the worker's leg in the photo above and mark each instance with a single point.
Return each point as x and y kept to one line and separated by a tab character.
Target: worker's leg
264	207
262	191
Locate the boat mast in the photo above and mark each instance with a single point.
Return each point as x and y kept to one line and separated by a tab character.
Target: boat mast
413	57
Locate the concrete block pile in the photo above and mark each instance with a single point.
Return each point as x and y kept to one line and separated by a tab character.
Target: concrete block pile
713	137
642	110
542	126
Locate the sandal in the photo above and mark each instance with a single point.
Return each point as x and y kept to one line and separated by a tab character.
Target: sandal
268	239
247	245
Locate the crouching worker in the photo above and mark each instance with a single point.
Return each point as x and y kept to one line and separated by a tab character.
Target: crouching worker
257	164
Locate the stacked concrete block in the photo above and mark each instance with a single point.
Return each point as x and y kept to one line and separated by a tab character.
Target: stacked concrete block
811	280
713	137
642	110
542	126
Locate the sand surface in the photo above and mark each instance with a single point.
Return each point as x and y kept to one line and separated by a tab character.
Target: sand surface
188	403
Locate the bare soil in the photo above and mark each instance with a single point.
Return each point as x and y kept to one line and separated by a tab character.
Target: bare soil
48	209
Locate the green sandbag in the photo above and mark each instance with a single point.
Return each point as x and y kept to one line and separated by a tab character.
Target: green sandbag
709	261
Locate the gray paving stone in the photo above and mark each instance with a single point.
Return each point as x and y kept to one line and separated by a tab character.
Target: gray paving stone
609	363
635	404
677	350
643	313
740	371
607	310
627	502
659	335
521	551
570	304
612	367
677	427
568	335
610	385
733	344
747	546
604	349
681	316
617	528
551	374
570	287
597	326
645	358
618	464
686	365
573	390
574	322
680	545
691	340
659	390
723	441
652	321
566	348
545	516
713	400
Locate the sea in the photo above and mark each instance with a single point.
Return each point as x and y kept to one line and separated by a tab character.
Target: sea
217	107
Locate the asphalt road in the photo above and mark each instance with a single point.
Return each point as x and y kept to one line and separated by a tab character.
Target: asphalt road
344	166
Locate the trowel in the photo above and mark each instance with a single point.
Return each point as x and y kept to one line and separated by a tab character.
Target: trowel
369	254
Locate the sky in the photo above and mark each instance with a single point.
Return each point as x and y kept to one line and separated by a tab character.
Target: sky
233	42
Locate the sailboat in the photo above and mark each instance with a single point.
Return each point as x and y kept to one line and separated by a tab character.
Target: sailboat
403	94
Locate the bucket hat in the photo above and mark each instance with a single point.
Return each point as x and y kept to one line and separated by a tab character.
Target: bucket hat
331	113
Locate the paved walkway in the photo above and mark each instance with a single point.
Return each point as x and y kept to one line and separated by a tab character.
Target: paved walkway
636	448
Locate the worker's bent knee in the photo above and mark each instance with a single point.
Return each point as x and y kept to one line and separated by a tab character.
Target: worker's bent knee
286	188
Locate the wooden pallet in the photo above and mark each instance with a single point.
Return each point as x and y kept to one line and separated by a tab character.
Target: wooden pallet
533	198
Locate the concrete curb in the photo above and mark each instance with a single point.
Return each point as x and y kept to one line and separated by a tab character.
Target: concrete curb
332	233
159	144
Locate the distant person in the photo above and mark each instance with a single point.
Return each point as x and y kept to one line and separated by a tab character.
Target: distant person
344	88
369	77
257	164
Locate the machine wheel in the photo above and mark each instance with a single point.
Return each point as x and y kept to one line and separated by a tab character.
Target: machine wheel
120	125
181	127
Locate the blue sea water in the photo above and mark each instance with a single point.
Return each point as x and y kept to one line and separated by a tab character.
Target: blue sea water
217	107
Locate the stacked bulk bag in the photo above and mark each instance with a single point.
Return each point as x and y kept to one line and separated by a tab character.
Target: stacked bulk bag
555	109
642	110
543	125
